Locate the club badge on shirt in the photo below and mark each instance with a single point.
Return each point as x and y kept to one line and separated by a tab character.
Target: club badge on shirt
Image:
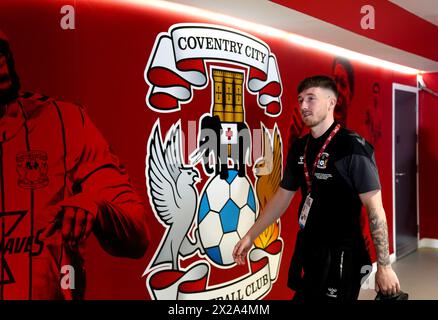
322	162
32	169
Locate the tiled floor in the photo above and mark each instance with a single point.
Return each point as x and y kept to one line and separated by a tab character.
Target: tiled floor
418	275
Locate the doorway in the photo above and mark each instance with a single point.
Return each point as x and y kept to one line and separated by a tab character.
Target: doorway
405	169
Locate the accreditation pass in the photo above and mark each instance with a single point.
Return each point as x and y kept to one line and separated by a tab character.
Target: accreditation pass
305	211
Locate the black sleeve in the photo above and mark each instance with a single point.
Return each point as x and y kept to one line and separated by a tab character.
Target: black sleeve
364	174
359	168
291	179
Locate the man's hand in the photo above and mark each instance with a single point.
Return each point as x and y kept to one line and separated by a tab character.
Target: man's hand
273	210
74	223
241	250
386	280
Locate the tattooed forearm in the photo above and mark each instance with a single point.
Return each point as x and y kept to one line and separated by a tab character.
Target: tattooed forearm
379	233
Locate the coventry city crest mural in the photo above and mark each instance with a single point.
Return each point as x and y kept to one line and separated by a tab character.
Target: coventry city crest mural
203	222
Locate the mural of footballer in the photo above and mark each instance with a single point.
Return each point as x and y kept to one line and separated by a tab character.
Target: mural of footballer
343	74
59	182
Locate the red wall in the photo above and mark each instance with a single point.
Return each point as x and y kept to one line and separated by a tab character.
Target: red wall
428	157
101	65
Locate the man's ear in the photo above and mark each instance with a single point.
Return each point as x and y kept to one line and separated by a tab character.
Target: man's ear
332	102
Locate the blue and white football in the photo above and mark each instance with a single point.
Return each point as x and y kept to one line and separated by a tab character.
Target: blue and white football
227	211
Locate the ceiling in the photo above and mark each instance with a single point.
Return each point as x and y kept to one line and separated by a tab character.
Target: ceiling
425	9
271	14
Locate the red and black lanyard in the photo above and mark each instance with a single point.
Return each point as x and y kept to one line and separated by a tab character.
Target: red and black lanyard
318	157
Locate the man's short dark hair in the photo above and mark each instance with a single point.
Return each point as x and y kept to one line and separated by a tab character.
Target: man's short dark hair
319	81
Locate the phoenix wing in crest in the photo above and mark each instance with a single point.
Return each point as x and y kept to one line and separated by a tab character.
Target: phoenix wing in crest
268	171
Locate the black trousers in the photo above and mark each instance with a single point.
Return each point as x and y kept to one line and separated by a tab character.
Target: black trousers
329	274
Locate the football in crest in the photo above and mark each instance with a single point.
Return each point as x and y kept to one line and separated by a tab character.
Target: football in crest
227	211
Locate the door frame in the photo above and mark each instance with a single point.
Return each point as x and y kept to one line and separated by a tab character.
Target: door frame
402	87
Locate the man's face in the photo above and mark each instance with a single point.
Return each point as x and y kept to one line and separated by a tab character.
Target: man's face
5	79
315	105
344	94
